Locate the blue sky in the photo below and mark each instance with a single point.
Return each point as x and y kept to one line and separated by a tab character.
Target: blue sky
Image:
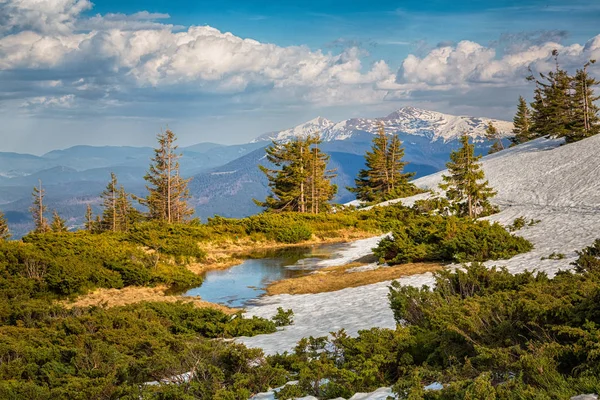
114	72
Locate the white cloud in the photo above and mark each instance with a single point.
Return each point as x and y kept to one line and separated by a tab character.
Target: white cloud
469	63
118	54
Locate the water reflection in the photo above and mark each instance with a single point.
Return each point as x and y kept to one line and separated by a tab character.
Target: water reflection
238	285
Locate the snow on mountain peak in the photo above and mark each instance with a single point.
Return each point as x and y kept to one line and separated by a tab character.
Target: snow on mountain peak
408	120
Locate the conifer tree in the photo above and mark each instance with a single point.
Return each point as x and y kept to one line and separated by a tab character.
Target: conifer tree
58	224
300	180
110	214
118	214
492	134
318	182
168	193
586	122
38	209
522	123
464	185
4	231
89	219
552	104
383	178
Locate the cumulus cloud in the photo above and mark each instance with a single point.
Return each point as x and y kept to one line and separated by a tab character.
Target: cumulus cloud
469	63
59	56
139	50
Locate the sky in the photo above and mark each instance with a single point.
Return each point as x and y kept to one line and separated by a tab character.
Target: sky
115	73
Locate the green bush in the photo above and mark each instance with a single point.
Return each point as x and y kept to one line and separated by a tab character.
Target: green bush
453	239
283	317
294	234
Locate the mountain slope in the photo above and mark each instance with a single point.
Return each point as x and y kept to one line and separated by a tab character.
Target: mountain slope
540	180
435	126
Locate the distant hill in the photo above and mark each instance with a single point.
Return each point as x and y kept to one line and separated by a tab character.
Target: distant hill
225	177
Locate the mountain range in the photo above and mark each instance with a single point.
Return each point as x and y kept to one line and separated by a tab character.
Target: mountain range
225	178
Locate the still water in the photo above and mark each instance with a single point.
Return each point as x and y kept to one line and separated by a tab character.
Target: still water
237	286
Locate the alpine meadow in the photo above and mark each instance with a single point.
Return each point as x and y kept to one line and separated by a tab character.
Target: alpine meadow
299	200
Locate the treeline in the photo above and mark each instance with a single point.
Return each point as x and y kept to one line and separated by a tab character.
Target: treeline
563	106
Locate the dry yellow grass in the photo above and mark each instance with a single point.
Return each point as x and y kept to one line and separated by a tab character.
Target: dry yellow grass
132	294
336	278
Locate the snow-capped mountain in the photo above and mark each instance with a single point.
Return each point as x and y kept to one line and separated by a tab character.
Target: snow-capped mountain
408	120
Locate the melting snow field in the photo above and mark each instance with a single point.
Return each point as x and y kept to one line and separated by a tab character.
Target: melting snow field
540	180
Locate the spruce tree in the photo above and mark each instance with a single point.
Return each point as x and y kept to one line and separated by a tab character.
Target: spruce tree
552	105
38	209
168	193
300	180
58	224
89	219
585	122
465	186
4	231
492	134
522	123
384	177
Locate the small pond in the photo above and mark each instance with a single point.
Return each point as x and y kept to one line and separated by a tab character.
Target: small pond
239	285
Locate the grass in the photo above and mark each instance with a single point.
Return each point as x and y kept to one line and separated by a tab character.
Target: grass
337	278
134	294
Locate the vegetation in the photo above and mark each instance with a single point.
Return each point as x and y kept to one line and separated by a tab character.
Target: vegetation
522	123
118	213
58	224
464	187
167	190
451	239
4	230
383	178
301	181
479	333
38	209
563	106
492	134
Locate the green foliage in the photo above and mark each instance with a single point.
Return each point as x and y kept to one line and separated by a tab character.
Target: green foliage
300	181
383	178
564	105
454	239
465	186
480	333
283	317
294	234
492	134
522	123
554	256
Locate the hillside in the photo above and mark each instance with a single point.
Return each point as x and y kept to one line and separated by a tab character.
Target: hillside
540	180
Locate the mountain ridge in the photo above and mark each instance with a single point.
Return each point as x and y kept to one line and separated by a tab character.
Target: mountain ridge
409	120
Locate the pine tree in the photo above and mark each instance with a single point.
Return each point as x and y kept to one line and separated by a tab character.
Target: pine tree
38	209
4	231
383	178
168	193
58	224
522	123
586	122
89	219
464	186
300	180
127	214
552	105
492	134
